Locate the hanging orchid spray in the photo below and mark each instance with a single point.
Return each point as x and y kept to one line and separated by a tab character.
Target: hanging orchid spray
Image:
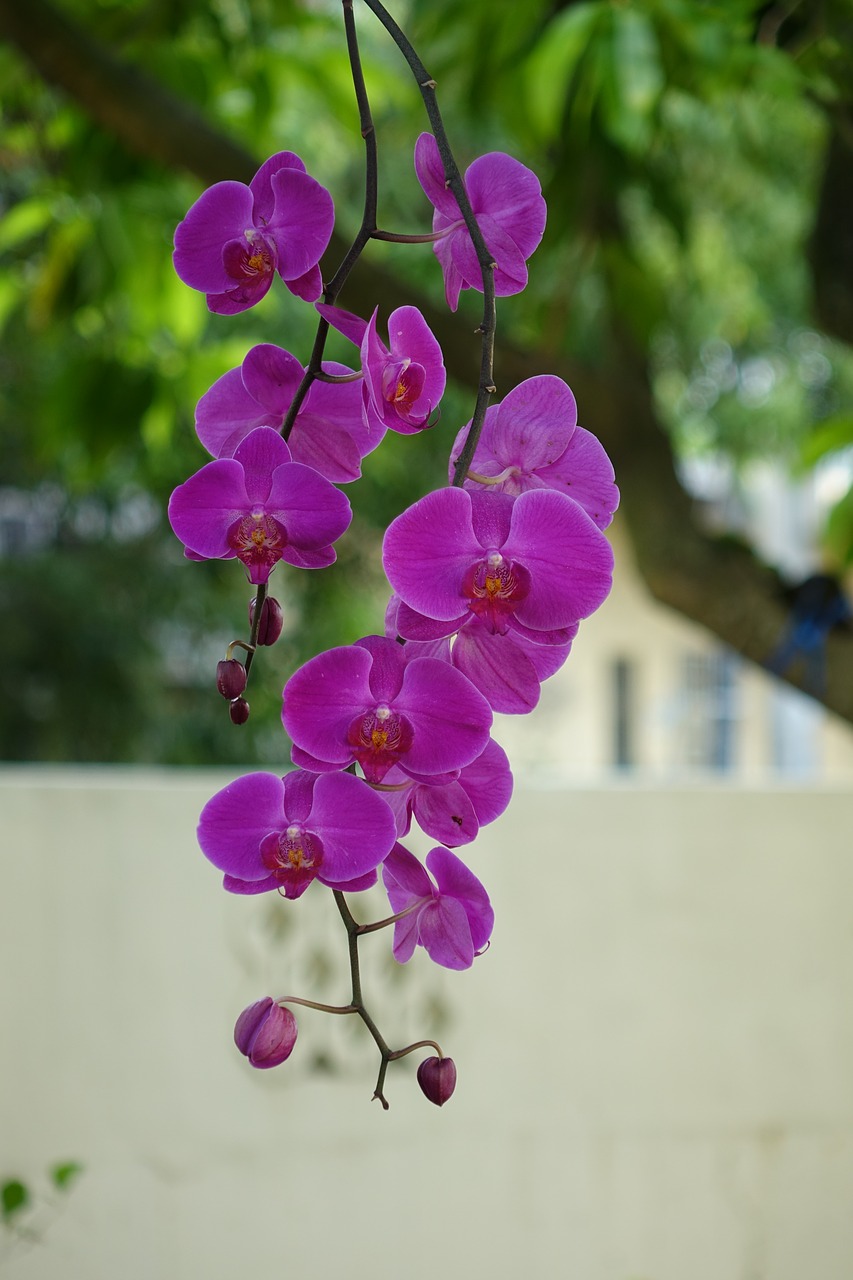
490	575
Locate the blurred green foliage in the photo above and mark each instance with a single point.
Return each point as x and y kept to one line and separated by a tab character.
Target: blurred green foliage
680	152
27	1210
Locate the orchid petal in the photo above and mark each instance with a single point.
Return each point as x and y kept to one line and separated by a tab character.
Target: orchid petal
227	413
569	560
301	223
222	213
457	881
234	822
428	549
445	934
203	508
261	185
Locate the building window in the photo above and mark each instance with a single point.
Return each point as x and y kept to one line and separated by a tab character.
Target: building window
622	677
710	710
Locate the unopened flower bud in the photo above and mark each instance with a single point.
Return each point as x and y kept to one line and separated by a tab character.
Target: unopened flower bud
265	1033
437	1078
272	620
230	678
239	711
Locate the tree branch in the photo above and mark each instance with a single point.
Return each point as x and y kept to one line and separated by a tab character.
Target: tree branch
713	581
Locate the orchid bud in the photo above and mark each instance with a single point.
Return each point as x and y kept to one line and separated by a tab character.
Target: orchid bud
437	1079
265	1033
230	678
239	711
272	620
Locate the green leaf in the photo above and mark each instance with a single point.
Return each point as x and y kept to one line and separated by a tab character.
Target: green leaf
636	295
837	539
14	1197
23	221
634	80
829	436
62	1175
554	63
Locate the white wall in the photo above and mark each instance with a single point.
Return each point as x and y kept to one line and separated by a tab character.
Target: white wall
655	1056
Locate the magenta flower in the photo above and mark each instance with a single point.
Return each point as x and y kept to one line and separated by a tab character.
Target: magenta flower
531	440
533	565
453	812
451	919
260	507
329	433
402	385
266	1033
369	703
507	200
267	832
235	237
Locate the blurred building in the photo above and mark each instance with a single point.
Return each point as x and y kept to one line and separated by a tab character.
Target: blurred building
648	694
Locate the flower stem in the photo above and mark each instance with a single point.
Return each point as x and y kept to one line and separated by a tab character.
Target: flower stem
397	237
383	924
386	1055
419	1044
256	625
368	220
315	1004
426	84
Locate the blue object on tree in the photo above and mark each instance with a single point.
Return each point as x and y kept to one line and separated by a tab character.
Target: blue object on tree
817	605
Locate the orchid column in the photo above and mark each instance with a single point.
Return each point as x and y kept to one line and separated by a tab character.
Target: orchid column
490	576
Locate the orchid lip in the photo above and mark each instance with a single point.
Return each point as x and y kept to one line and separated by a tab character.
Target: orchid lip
379	738
294	851
495	587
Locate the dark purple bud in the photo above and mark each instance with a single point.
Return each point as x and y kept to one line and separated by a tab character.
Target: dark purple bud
239	711
272	620
265	1033
230	678
437	1078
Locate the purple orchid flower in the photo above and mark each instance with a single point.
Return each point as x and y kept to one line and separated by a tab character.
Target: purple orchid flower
329	433
531	440
267	832
533	565
234	238
260	507
507	200
451	919
402	385
370	703
453	812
